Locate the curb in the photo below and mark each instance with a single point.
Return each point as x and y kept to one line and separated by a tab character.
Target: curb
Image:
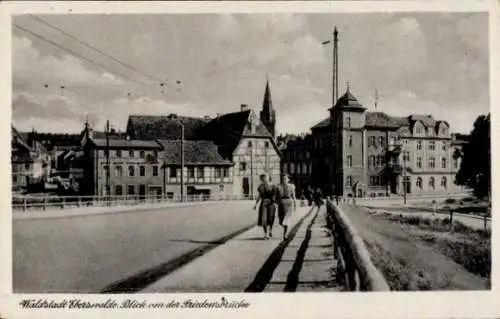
101	211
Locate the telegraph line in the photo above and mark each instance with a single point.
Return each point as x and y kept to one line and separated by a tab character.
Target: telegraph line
81	56
100	51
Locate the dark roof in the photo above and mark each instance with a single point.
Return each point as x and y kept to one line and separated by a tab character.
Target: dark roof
349	101
128	144
149	127
18	140
322	123
401	121
427	120
195	152
380	119
227	130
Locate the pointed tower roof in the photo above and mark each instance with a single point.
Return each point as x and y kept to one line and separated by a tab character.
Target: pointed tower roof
267	104
349	101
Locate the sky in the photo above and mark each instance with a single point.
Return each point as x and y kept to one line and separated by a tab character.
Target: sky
420	63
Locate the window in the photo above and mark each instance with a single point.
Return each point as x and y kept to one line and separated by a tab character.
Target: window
155	154
142	170
419	182
155	170
266	144
349	160
349	180
225	172
431	183
348	121
243	166
444	182
371	141
27	166
406	156
419	130
432	162
142	154
432	145
130	190
118	153
380	161
419	145
131	170
173	172
350	140
249	143
443	162
130	153
105	170
372	180
419	162
444	147
200	172
371	161
381	141
190	172
14	179
218	172
118	190
118	171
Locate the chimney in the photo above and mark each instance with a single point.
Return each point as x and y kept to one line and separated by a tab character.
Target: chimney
244	107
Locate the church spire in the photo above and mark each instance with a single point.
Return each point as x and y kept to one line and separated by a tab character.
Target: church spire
268	115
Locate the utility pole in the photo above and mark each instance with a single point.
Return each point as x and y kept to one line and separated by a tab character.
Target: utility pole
107	160
404	178
182	161
334	117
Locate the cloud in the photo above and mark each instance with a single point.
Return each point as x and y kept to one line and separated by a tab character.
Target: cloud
29	65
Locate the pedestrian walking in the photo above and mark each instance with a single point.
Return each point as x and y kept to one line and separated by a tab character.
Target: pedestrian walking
285	196
309	195
318	198
266	199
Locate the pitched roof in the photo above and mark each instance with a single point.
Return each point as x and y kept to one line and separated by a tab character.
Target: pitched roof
380	119
401	120
195	152
227	130
128	144
349	101
322	123
148	127
427	120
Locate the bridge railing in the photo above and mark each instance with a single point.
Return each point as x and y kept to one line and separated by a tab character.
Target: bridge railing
355	268
36	203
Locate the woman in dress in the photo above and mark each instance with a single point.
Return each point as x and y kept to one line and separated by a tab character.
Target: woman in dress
286	202
266	196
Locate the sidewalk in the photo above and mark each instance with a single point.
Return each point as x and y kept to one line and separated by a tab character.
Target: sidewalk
86	211
249	263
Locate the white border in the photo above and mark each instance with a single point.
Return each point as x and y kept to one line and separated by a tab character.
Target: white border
298	305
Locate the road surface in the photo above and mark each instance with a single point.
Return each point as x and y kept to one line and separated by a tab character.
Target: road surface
118	251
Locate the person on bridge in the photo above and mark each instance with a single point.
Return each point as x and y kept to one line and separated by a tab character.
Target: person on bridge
286	202
266	196
318	198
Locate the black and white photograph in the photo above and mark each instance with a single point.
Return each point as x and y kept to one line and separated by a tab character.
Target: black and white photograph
242	152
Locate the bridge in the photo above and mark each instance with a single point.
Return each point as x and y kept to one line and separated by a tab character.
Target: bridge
210	246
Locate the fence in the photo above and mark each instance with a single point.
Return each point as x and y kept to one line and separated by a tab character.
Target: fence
65	202
355	268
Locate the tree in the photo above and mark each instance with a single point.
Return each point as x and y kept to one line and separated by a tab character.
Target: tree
475	169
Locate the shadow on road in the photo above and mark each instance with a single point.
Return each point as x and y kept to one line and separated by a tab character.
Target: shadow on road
265	274
145	278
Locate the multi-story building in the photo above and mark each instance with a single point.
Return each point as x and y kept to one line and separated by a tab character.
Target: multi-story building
297	162
375	154
30	162
223	155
